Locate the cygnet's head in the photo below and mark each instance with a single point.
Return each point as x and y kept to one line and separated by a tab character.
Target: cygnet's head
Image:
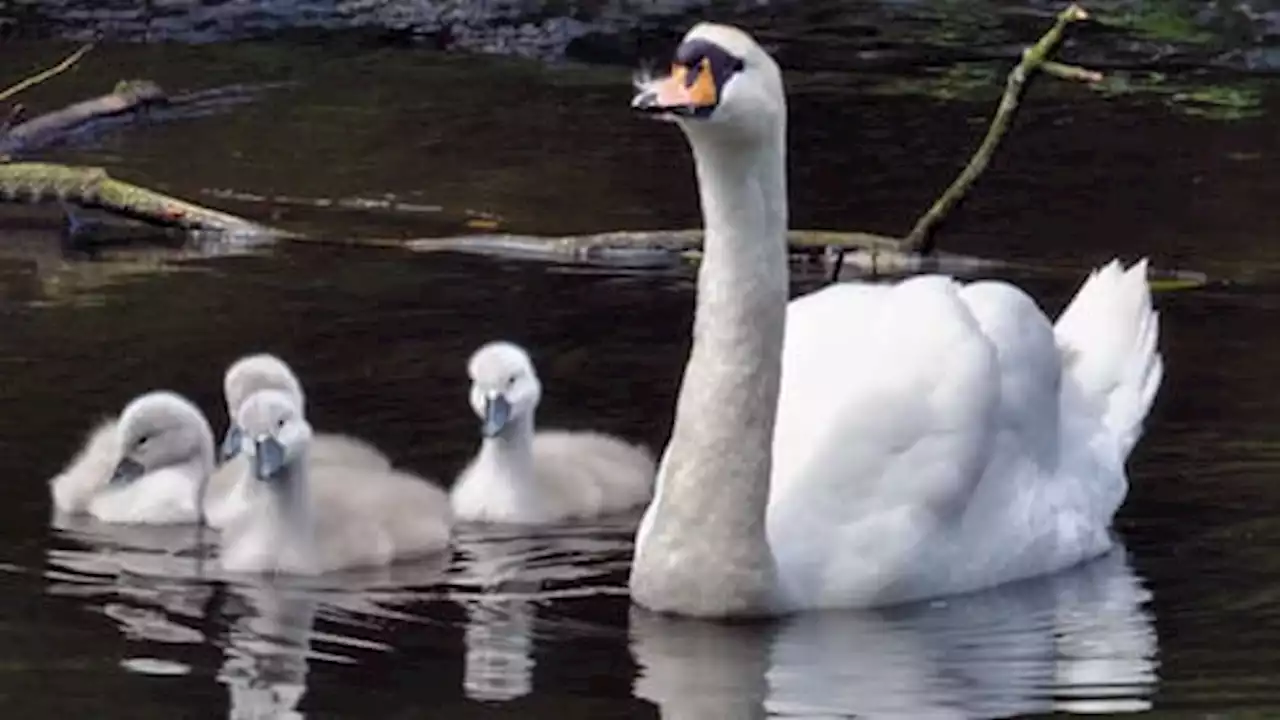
161	430
504	387
720	81
274	433
247	376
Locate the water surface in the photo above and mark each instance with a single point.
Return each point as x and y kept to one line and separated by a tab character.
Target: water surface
127	623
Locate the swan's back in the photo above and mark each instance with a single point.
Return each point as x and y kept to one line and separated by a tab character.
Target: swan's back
886	398
1047	496
930	442
589	473
1030	365
884	431
89	471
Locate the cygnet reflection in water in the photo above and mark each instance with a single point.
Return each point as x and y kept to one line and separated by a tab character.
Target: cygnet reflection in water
146	578
265	625
1080	641
504	576
267	654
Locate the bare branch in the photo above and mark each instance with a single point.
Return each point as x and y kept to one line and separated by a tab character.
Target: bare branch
44	75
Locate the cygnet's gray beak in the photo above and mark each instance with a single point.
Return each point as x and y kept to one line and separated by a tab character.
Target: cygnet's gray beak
127	470
497	412
230	443
268	458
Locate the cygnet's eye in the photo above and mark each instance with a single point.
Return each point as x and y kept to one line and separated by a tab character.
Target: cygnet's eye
511	379
280	423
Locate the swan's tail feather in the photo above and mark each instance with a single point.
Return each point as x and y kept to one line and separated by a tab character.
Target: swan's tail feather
1109	336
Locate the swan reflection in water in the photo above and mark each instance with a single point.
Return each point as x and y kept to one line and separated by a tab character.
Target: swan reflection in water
1079	641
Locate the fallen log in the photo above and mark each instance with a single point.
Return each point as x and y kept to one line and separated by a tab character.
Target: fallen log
92	187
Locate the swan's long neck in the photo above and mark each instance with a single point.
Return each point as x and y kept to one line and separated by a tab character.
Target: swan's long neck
701	549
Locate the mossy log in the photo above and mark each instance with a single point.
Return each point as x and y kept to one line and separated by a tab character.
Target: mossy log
92	187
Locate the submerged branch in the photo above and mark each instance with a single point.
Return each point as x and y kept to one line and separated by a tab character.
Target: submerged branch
921	238
873	253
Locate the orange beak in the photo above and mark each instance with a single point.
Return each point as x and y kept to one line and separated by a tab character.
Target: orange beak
686	91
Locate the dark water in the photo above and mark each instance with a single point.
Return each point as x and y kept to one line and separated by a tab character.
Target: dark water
113	622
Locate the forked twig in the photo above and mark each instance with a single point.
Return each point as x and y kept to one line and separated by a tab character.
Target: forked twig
1036	57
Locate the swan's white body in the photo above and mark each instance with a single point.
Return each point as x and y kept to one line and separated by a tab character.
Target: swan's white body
527	477
310	519
166	493
958	449
871	443
263	371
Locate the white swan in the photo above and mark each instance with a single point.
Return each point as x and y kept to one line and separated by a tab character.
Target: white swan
263	371
522	477
143	467
869	444
307	519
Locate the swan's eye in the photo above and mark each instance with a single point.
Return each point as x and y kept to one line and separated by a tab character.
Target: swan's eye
142	441
280	424
511	380
695	71
701	56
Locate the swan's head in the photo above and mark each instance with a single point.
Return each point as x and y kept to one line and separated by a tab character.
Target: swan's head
720	78
159	430
504	386
274	431
247	376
